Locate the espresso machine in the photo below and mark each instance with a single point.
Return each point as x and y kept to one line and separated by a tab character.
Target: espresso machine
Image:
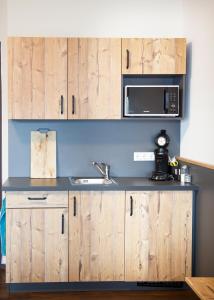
161	172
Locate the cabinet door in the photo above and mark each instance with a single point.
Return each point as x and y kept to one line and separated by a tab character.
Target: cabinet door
55	78
37	78
26	67
154	56
158	236
96	236
94	78
37	245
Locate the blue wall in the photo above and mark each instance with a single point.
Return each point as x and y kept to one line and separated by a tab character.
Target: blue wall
80	142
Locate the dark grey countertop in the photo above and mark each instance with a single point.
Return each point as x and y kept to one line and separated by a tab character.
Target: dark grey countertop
123	183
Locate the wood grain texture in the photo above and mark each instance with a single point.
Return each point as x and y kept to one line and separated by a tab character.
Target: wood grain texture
96	236
43	154
37	77
195	162
55	78
158	236
53	199
202	286
154	56
74	79
37	251
26	89
94	78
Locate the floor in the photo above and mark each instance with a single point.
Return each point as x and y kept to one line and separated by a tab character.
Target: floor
151	295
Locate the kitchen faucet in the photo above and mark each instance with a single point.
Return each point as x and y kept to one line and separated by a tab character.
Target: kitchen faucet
103	168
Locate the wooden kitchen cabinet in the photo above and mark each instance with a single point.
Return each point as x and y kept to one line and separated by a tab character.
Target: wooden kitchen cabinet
153	56
96	236
158	236
37	237
37	78
94	78
80	78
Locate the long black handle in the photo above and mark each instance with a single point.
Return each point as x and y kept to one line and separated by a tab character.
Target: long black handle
37	198
73	105
127	58
166	101
131	206
63	222
62	104
75	206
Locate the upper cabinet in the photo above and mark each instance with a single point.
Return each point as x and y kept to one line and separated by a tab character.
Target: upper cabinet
80	78
37	70
153	56
56	78
94	78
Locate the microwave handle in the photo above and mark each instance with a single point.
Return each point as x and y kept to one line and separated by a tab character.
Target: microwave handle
166	101
126	101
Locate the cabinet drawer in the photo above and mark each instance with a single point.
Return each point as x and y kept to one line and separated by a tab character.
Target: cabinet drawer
36	199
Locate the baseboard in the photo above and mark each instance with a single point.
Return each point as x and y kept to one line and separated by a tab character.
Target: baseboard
93	286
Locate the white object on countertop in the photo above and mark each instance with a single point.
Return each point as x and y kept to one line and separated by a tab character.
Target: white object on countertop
188	178
185	174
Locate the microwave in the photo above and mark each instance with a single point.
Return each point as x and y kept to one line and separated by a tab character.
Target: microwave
151	101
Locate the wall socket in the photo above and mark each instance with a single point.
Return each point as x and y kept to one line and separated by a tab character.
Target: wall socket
144	156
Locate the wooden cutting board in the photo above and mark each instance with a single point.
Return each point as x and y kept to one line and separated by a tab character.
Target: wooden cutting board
43	154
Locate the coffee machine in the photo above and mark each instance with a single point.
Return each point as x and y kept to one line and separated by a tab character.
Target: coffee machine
161	172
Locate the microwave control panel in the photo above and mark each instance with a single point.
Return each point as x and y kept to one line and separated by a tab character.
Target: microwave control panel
173	103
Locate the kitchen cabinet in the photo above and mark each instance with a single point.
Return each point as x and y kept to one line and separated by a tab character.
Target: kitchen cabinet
94	78
153	56
37	78
80	78
37	237
158	236
96	236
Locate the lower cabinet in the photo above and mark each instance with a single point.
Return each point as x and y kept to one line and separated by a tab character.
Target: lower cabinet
158	236
96	236
37	238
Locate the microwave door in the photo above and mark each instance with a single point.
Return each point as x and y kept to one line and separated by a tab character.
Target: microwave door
142	101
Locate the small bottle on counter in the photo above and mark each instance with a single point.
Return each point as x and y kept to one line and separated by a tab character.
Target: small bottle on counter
185	175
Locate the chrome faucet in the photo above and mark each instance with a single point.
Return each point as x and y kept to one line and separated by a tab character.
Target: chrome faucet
103	168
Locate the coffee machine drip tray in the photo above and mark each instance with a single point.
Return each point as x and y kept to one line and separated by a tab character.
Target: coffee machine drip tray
161	176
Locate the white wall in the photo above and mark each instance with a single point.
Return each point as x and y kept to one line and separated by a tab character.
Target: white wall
3	35
95	17
197	130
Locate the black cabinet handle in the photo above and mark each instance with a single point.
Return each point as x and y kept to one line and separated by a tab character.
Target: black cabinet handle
131	206
73	105
37	198
62	104
127	58
63	221
75	206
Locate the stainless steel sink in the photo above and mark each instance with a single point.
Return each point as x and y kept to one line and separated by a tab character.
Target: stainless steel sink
81	181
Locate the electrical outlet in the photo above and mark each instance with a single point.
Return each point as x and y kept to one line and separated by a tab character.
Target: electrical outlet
144	156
